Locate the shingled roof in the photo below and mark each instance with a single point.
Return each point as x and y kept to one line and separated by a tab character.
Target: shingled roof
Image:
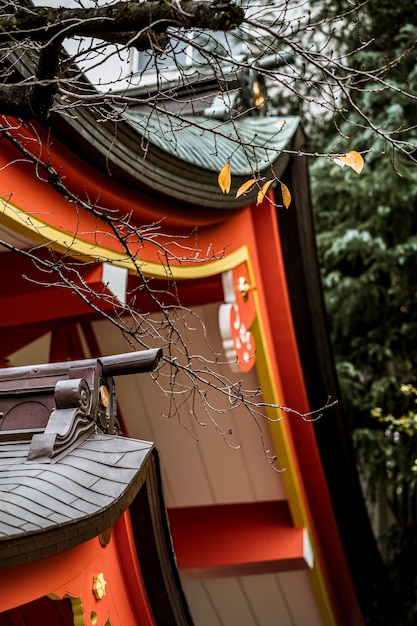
50	507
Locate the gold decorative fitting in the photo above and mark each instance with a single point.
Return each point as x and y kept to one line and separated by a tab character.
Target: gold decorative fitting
99	586
104	396
244	288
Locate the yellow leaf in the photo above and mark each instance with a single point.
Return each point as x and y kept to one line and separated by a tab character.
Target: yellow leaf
245	187
224	178
263	190
353	159
286	195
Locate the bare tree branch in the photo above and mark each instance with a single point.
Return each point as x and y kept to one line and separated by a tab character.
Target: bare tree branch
43	24
141	25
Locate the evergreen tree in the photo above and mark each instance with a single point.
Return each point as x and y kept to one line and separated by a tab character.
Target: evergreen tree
367	239
367	227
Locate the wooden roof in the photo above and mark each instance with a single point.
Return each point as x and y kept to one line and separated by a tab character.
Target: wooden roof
159	154
48	508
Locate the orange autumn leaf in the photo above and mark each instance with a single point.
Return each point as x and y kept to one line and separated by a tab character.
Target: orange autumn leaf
224	178
286	195
245	187
352	159
263	190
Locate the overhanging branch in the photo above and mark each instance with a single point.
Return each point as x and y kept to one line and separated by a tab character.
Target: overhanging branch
44	23
142	25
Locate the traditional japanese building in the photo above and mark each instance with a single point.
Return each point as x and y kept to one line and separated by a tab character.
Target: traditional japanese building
252	545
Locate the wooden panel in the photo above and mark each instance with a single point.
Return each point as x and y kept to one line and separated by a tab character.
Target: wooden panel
297	589
206	471
267	600
231	603
143	407
262	600
201	603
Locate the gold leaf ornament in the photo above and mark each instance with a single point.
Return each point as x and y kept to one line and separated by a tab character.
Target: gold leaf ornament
99	586
224	178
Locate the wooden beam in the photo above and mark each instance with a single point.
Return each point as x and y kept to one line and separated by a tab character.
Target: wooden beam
238	540
30	296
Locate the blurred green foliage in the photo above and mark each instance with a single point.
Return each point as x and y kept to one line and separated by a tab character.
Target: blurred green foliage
367	241
367	231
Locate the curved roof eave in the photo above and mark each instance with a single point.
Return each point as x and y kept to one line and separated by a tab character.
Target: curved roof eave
180	157
173	156
250	144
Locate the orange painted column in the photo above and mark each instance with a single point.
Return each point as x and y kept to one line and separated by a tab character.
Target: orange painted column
316	508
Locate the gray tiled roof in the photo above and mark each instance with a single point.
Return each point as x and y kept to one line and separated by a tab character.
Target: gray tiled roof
250	144
49	507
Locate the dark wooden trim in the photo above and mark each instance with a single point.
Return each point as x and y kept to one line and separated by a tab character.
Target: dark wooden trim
153	539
